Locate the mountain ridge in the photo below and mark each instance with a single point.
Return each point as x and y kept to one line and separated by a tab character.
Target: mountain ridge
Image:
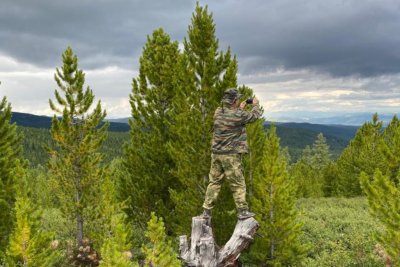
294	135
44	122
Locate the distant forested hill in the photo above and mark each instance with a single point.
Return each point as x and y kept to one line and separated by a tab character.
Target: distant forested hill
340	131
35	121
36	140
295	136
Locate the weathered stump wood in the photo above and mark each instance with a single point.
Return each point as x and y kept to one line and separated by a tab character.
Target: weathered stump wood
203	250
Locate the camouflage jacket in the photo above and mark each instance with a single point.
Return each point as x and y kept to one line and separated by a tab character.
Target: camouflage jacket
229	135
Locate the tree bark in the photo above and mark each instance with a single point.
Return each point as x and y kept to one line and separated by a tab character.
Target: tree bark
203	249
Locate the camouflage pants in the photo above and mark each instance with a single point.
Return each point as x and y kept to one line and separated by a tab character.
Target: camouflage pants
230	167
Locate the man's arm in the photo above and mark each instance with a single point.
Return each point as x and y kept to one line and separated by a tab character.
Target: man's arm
253	115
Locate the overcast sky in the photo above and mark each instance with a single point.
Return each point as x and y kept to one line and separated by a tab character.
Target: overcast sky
300	57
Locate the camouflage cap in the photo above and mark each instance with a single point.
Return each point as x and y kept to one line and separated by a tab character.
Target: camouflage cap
230	95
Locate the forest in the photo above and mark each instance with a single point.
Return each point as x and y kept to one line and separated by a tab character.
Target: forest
37	138
78	194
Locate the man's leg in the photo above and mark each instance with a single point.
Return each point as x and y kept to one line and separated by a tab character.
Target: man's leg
234	174
216	175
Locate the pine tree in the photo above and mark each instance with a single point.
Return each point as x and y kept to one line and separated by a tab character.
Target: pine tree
320	151
208	72
389	147
75	162
310	170
332	183
274	204
306	176
10	150
147	160
307	180
29	245
383	191
113	234
115	251
255	141
158	250
362	154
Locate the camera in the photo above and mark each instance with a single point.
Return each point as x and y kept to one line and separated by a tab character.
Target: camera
249	101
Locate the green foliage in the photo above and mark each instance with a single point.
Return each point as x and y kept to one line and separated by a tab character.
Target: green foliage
341	231
28	245
321	155
159	251
36	141
332	186
205	74
362	154
74	163
112	146
256	142
115	249
113	234
34	145
383	191
187	149
274	204
310	172
147	160
308	182
109	210
40	193
297	136
10	150
390	148
42	196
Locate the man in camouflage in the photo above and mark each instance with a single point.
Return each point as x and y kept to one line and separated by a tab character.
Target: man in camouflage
228	144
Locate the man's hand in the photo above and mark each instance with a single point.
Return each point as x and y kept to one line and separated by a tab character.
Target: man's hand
242	105
255	101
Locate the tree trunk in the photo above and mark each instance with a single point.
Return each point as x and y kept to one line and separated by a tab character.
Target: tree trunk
271	218
79	219
79	224
203	250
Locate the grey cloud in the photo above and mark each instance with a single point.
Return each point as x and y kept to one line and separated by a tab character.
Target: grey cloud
378	97
111	32
338	37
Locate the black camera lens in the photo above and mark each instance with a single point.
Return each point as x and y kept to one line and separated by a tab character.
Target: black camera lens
249	101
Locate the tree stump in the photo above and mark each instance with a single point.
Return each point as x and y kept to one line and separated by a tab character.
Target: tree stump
202	251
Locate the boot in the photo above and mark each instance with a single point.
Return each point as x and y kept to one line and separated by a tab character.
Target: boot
245	214
206	214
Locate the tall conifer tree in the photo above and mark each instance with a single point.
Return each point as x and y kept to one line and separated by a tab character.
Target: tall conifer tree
10	150
147	160
274	204
75	162
309	170
383	190
362	154
321	155
256	141
208	73
308	182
